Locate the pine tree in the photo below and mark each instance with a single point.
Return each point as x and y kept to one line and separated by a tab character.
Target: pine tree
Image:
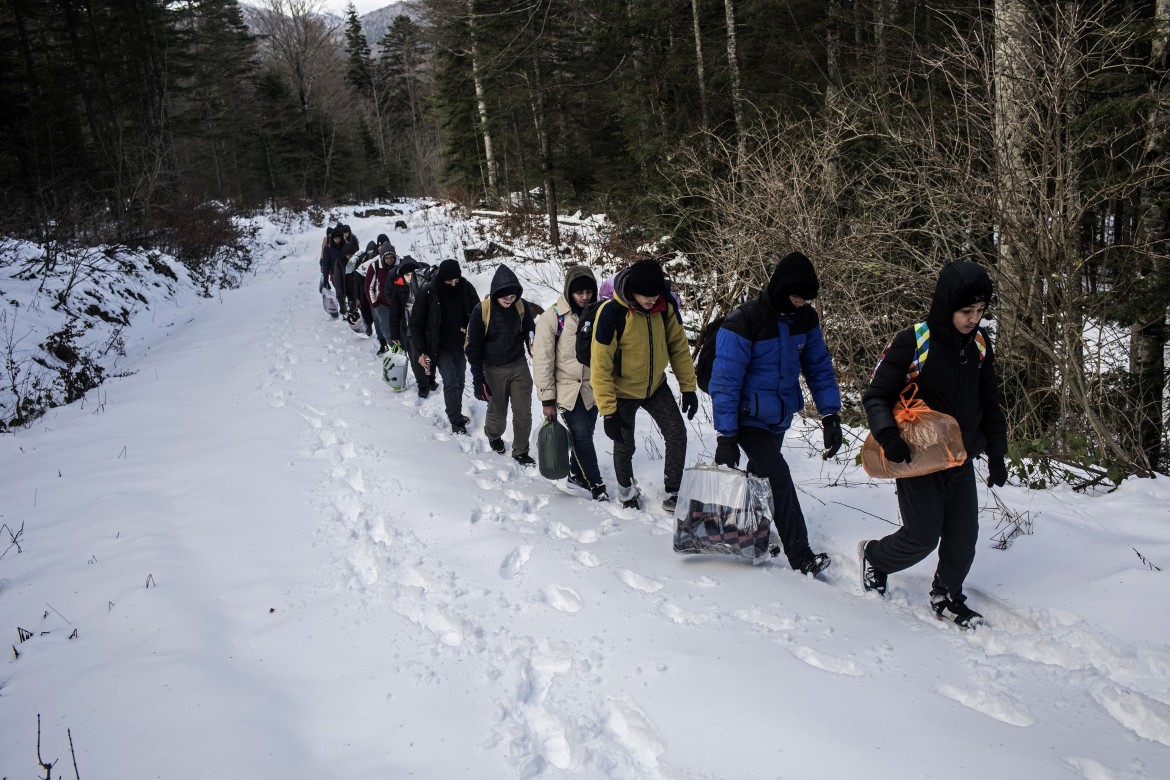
358	71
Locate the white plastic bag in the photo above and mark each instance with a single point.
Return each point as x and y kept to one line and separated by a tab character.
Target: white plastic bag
394	367
723	511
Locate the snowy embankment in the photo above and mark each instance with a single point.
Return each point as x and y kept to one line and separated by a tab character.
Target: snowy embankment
254	560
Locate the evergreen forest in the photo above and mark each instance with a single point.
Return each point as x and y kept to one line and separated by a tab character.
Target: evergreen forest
882	138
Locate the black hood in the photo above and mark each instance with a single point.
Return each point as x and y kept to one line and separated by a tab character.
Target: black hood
959	285
505	283
793	275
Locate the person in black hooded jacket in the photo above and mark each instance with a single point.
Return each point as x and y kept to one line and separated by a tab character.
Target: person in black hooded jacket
333	265
957	378
496	353
438	328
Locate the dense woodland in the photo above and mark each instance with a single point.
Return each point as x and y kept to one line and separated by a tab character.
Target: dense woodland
881	137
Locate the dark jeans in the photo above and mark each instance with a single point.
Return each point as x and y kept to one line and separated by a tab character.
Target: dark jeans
664	411
420	374
943	506
337	276
382	322
581	423
452	367
765	459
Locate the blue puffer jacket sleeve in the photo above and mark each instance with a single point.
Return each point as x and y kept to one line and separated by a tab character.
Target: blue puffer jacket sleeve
817	366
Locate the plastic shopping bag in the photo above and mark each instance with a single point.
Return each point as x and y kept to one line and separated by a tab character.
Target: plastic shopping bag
723	511
394	367
552	450
934	438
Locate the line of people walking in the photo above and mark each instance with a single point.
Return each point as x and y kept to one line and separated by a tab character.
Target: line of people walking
762	350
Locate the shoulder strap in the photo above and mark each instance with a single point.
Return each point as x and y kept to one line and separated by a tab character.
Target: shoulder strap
560	320
921	350
485	311
981	344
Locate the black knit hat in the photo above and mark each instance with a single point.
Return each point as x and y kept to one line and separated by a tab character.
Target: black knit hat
448	270
406	266
582	283
645	277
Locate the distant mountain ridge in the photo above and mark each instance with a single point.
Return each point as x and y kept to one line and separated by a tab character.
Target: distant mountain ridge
376	22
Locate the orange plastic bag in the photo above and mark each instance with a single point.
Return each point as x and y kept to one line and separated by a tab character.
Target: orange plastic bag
934	438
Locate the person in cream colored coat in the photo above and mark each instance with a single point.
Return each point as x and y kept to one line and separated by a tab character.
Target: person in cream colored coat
562	384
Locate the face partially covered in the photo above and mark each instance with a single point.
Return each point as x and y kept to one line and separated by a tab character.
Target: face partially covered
645	301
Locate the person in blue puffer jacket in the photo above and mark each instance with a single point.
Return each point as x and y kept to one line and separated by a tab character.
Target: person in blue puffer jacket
761	351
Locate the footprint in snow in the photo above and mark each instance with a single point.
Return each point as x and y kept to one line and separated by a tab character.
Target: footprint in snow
488	513
563	599
638	582
828	663
633	730
558	530
999	706
586	558
1092	770
515	561
757	617
1140	714
682	617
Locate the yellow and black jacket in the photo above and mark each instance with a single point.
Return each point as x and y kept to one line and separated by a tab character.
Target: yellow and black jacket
632	347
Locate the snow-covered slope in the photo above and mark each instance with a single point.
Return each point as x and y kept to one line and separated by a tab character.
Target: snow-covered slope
252	559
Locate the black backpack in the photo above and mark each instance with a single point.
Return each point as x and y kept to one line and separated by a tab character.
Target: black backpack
706	359
584	343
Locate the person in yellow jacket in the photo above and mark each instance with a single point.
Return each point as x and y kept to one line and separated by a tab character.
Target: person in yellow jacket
635	335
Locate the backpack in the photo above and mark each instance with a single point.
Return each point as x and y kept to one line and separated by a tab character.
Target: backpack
922	350
706	359
585	321
705	362
485	311
584	344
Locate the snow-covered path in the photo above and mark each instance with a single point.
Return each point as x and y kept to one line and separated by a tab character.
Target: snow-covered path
338	587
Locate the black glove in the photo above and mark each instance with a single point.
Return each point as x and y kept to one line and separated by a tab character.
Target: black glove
613	427
894	447
690	404
727	451
832	428
996	471
480	389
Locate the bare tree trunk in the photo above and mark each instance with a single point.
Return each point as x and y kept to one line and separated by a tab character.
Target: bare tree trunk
540	116
736	86
481	107
1148	337
1020	282
699	72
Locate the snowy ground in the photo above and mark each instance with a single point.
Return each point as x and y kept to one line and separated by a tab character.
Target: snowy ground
253	560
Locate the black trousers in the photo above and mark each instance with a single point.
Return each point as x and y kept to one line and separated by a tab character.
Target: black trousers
765	459
938	510
664	411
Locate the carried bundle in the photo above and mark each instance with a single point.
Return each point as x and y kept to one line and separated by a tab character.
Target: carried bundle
934	438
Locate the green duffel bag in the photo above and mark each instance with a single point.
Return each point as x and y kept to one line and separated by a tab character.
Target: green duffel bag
552	450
